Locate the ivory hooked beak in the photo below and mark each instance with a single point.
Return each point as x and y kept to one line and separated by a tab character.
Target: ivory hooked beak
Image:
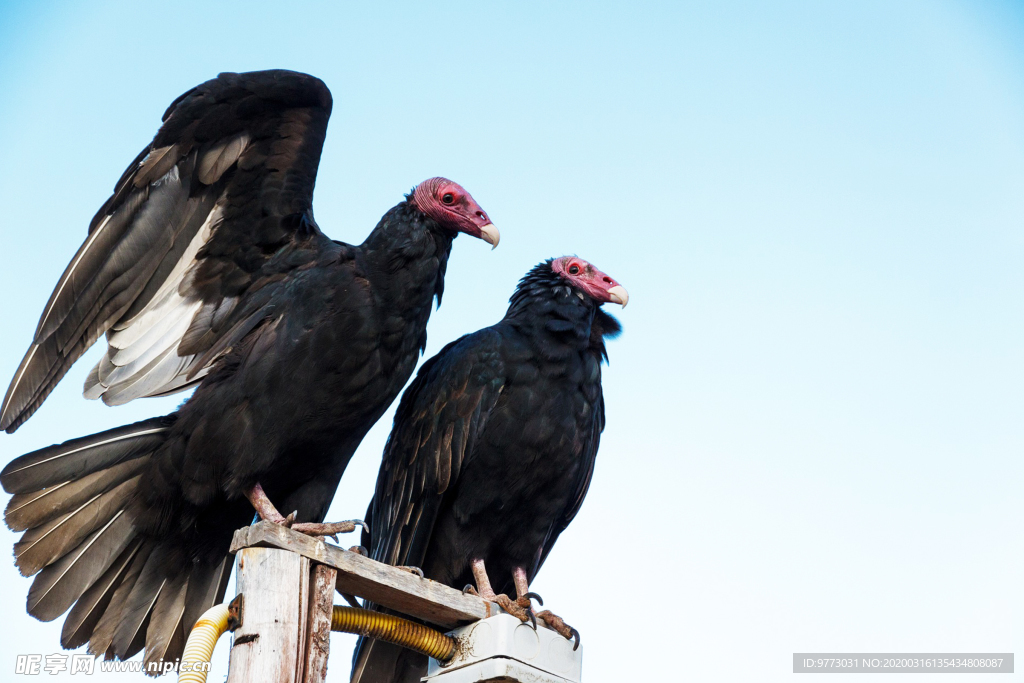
618	295
490	234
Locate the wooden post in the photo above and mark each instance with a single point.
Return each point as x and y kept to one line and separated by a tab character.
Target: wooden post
287	582
386	586
286	618
321	606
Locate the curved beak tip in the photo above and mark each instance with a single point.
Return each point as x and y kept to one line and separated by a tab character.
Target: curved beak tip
490	234
619	295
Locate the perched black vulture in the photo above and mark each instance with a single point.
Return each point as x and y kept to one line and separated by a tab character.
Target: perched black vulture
493	449
206	266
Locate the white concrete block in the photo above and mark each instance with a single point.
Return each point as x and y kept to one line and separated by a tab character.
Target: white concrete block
504	648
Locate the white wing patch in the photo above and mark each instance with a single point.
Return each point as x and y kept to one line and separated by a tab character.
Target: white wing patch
141	357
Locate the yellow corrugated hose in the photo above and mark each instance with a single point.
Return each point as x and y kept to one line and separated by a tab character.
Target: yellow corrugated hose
387	627
392	629
200	644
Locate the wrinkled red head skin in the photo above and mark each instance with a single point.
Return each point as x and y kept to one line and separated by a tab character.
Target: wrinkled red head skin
449	204
593	282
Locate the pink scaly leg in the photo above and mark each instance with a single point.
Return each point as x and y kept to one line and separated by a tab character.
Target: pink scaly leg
266	510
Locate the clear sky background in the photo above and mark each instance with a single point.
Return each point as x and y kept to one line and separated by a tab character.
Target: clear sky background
815	429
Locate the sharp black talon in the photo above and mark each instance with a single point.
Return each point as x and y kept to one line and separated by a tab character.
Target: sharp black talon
469	589
366	527
534	596
576	637
359	550
533	618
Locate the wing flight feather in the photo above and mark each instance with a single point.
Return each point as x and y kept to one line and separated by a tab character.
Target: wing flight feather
218	201
436	424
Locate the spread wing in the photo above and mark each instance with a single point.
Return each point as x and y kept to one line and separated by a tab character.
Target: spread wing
216	207
436	426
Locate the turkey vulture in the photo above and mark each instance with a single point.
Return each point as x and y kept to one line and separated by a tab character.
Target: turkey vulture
493	449
206	267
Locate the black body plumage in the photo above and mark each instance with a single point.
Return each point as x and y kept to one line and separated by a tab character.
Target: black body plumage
298	343
492	450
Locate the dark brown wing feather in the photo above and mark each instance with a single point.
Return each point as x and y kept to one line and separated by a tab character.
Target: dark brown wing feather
219	202
436	425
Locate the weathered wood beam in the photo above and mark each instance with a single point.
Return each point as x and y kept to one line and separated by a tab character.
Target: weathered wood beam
385	585
321	606
269	643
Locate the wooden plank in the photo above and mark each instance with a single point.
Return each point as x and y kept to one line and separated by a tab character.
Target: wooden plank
318	640
305	572
266	646
380	583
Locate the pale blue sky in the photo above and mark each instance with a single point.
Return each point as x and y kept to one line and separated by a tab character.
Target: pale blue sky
814	414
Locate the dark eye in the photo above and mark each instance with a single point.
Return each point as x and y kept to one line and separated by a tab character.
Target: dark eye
448	198
574	269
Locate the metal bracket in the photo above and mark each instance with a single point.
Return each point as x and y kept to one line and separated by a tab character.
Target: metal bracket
236	608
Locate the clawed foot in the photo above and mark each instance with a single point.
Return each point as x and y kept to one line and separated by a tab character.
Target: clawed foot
328	529
267	512
412	570
521	608
557	624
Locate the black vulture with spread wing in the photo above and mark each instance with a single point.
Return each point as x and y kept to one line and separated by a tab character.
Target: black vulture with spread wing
493	449
206	267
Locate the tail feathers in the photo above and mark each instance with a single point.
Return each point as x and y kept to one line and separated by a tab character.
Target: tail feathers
75	504
74	459
160	610
60	584
360	661
53	540
103	636
206	586
130	634
28	510
164	634
81	622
